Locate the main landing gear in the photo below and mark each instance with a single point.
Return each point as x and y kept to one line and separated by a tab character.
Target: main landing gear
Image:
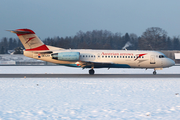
91	72
154	73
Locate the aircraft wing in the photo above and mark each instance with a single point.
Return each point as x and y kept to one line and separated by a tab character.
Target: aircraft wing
88	64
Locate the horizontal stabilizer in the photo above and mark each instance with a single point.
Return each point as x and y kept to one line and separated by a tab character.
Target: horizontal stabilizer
22	31
19	32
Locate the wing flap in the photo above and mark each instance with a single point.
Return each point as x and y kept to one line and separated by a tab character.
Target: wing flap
85	64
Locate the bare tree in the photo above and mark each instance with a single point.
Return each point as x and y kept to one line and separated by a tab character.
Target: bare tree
153	38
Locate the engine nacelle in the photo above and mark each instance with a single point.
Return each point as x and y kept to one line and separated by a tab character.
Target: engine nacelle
66	56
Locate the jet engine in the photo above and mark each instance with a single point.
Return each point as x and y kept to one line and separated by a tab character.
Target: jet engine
66	56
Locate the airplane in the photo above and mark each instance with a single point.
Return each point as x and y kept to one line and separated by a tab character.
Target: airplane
88	58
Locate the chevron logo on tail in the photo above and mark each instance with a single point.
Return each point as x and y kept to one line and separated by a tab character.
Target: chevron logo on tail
29	39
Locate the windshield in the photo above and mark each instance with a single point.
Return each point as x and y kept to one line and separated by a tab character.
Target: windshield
162	56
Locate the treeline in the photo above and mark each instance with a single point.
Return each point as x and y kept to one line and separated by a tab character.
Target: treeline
10	44
96	39
153	38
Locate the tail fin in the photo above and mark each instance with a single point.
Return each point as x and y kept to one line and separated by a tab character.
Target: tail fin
29	40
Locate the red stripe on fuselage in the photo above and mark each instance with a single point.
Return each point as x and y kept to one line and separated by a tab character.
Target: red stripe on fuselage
43	47
140	56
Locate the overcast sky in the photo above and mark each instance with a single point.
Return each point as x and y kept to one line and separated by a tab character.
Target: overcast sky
50	18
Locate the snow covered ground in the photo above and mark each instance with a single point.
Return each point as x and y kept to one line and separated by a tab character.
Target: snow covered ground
88	99
72	70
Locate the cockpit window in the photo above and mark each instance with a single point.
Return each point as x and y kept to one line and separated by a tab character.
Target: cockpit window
162	56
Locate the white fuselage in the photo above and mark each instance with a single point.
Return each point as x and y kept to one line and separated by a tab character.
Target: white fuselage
108	58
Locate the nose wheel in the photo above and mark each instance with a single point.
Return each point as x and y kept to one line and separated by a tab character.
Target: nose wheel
91	72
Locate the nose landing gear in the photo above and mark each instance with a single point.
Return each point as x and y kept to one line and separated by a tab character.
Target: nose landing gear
154	73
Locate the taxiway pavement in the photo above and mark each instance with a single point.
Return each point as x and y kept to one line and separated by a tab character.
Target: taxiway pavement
89	76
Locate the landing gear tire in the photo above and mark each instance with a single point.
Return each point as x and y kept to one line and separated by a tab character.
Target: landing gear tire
91	72
154	73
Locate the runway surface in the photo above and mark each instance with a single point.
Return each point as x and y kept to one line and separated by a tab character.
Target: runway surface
89	76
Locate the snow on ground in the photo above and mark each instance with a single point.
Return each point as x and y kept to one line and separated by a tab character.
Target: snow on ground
88	99
72	70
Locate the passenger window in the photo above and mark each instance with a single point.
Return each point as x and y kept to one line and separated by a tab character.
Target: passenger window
117	56
108	56
128	56
111	56
83	55
102	56
86	55
114	56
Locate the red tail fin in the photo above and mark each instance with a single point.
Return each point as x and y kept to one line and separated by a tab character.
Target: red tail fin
30	40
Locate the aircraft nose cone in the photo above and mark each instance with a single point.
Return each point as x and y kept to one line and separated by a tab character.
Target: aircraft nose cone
171	63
